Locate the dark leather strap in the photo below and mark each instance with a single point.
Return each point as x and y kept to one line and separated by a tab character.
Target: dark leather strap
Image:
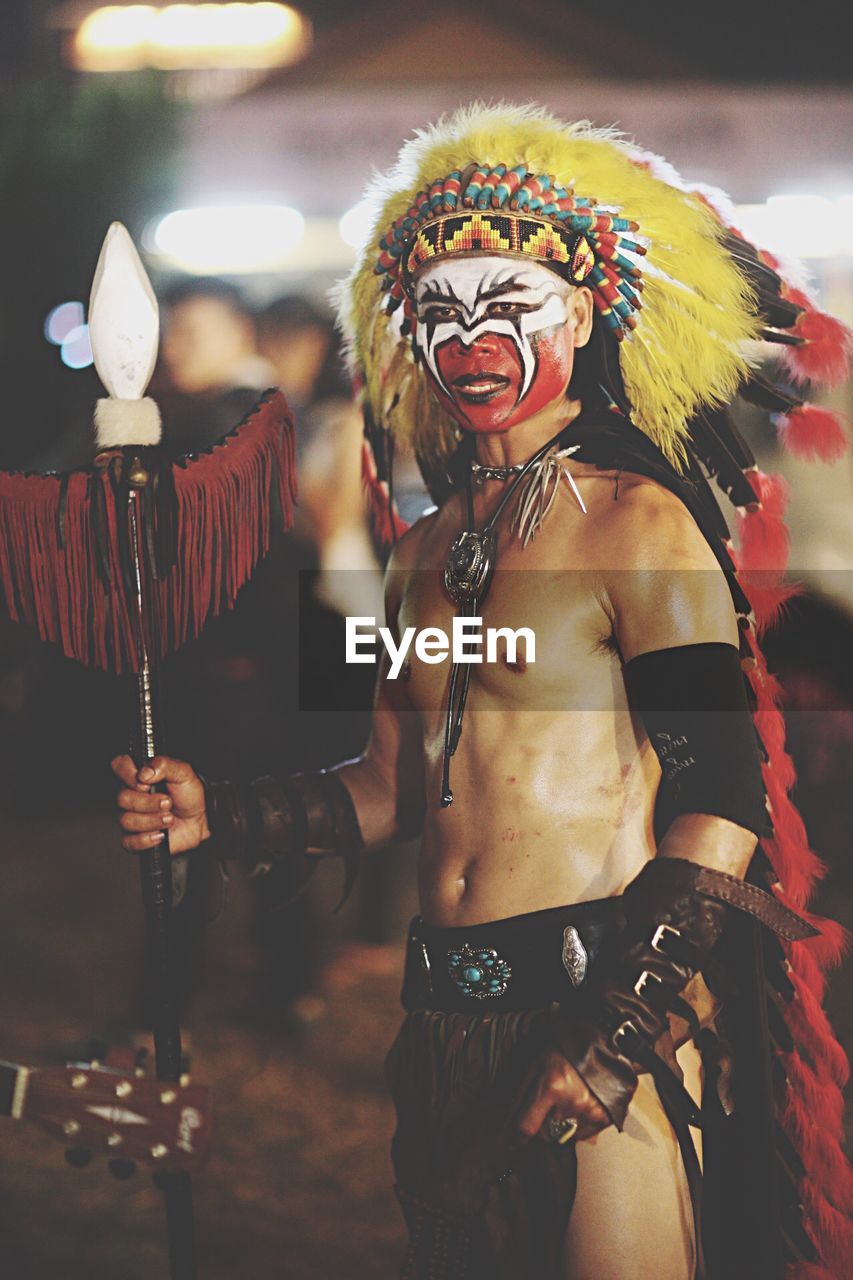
294	822
8	1079
748	897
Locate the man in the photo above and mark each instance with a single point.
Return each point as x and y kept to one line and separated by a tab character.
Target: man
582	864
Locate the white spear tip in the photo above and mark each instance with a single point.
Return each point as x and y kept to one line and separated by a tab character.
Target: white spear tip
123	318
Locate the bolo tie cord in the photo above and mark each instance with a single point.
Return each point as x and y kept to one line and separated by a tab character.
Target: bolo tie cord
456	697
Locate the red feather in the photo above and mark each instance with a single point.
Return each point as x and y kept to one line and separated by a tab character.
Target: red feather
764	537
825	355
810	433
768	597
385	520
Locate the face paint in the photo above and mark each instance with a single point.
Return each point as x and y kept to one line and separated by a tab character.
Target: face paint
493	335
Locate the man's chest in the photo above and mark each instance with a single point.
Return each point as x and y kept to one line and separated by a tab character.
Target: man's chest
541	639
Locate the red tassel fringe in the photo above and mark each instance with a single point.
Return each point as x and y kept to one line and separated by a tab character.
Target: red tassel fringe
385	520
811	433
825	356
224	515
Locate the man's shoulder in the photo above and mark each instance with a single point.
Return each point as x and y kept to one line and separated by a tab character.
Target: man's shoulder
644	525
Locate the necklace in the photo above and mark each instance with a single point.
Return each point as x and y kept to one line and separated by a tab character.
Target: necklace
481	472
471	560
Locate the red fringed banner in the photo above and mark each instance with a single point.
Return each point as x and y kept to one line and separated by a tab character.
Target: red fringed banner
63	540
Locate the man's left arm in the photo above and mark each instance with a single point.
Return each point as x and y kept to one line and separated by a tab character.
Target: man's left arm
676	631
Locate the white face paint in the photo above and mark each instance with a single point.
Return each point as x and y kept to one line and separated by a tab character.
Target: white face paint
467	297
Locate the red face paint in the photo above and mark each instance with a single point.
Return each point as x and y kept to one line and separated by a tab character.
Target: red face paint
484	380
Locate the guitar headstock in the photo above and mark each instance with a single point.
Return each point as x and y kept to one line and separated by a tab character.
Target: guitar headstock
125	1115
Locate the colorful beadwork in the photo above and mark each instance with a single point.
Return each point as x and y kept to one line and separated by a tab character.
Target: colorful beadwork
480	973
508	210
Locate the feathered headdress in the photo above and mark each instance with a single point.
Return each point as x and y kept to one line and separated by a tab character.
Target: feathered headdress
676	286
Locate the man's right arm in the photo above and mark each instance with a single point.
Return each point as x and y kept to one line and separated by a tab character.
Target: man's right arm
358	804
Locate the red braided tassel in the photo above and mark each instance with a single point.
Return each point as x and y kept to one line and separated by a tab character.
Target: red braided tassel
810	433
817	1070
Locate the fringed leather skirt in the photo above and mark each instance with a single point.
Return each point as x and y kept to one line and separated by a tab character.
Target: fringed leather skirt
477	1200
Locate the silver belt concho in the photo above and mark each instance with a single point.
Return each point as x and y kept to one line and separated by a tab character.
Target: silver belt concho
575	958
478	972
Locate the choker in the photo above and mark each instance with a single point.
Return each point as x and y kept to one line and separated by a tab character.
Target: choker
480	472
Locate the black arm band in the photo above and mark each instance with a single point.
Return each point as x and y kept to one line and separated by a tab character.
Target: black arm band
287	825
692	702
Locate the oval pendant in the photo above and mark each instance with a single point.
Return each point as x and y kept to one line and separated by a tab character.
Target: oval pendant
469	566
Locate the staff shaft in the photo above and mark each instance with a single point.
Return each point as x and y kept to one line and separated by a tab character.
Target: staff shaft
156	877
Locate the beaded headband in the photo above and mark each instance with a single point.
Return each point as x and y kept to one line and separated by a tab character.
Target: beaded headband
503	232
519	213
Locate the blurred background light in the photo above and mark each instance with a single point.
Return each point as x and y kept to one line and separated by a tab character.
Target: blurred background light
226	239
61	320
356	224
76	349
801	226
191	37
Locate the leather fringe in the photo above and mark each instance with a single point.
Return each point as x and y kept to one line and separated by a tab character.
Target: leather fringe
64	545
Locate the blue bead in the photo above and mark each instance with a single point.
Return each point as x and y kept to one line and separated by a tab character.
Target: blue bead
472	974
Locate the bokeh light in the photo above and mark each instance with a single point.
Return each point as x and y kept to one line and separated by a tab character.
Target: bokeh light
61	320
801	226
191	36
227	239
356	224
76	350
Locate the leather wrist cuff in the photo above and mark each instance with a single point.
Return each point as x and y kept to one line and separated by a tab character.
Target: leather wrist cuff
675	914
286	825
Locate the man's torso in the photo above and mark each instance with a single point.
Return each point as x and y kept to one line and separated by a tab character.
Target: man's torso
553	782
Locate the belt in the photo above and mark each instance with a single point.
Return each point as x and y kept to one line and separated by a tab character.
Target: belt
522	962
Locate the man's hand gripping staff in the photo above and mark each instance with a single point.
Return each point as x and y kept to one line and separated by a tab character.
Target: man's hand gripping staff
257	824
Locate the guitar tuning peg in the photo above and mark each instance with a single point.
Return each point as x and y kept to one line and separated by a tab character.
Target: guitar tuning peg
121	1169
78	1157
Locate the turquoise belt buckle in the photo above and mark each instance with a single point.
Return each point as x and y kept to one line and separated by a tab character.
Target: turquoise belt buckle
478	971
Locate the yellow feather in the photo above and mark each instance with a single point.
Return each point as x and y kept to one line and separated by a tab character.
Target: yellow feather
697	312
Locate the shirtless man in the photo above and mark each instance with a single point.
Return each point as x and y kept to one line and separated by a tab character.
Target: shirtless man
552	819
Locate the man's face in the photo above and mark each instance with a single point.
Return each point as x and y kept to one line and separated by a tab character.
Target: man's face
495	338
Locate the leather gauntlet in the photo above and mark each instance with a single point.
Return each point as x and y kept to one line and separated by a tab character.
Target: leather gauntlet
286	825
675	913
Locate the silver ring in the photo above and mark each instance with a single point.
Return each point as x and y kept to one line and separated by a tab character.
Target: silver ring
562	1130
